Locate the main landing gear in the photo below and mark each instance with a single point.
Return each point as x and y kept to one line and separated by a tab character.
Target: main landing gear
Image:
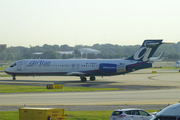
84	79
92	78
14	77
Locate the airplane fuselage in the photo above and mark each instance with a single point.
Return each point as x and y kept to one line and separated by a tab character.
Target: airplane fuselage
86	67
74	67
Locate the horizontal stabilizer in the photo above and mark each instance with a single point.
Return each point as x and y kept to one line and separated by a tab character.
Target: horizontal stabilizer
151	44
167	43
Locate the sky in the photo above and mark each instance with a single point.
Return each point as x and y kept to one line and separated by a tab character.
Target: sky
88	22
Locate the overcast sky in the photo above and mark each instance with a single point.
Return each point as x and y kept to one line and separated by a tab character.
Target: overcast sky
87	22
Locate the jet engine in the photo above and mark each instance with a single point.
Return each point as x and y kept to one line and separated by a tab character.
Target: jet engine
111	68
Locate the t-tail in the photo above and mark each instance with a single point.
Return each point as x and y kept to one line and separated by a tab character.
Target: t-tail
146	51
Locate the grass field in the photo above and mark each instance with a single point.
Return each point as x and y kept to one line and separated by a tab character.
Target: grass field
69	115
25	89
2	68
167	67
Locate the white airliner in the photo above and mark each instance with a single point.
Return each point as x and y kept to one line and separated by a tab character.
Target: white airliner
177	64
159	58
86	67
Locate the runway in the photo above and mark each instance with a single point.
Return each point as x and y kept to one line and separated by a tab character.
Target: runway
93	98
137	89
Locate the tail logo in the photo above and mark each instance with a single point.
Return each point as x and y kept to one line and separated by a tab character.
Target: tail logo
142	53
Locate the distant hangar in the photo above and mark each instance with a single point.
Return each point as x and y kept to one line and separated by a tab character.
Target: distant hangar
82	50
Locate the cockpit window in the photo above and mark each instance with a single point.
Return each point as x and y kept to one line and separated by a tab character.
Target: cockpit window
13	65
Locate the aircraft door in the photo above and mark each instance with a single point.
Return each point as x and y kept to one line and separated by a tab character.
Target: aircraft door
19	64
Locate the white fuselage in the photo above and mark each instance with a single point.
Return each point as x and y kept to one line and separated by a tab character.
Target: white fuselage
63	67
177	64
86	67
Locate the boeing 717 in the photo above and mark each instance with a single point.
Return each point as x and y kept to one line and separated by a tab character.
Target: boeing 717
86	67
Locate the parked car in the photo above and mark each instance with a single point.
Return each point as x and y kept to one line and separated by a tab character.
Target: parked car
130	114
171	112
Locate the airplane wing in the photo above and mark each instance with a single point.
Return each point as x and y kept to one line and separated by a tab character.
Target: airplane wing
75	73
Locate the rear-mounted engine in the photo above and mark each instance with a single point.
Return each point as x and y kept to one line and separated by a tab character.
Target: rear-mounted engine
111	68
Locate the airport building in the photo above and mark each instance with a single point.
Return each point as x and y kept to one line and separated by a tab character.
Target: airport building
82	50
65	52
2	47
89	50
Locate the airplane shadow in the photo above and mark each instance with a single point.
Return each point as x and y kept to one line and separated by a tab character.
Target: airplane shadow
66	83
92	84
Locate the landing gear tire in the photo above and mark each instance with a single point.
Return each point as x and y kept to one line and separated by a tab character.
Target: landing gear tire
92	78
83	79
14	78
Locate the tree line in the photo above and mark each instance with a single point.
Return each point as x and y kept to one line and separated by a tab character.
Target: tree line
108	51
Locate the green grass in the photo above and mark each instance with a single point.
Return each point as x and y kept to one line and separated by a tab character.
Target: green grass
25	89
69	115
2	68
167	67
9	115
5	75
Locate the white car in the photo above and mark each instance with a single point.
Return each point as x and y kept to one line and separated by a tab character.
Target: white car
130	114
171	112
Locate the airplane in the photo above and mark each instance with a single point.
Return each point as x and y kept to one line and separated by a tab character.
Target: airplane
159	58
1	64
86	67
177	64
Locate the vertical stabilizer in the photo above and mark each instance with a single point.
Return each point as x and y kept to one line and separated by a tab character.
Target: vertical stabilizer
146	51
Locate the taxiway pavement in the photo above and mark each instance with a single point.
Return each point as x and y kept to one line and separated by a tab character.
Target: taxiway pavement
138	89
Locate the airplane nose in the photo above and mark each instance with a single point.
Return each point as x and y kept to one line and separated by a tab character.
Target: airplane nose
6	70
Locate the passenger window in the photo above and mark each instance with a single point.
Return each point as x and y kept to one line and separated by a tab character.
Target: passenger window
143	113
134	112
117	112
128	112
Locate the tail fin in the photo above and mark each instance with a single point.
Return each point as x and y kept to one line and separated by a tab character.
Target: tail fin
146	50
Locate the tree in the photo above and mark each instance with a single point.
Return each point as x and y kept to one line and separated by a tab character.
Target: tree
100	55
3	56
77	53
10	56
84	55
49	54
64	56
28	55
69	56
91	56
